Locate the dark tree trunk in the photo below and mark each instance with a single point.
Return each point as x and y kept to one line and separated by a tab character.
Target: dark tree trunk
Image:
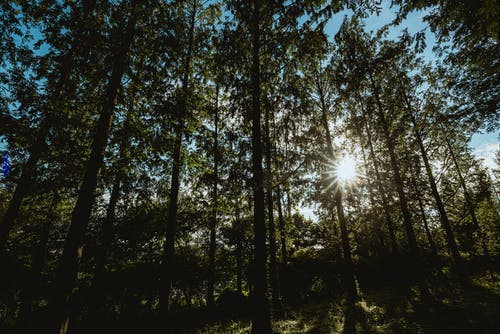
29	294
398	181
273	273
380	187
281	225
239	252
102	253
468	200
68	265
443	217
403	202
371	196
171	223
349	277
261	319
213	223
24	185
421	207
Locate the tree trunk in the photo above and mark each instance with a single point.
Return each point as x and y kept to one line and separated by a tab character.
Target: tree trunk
239	251
261	320
24	185
403	202
29	294
171	223
102	252
213	223
68	265
382	191
273	274
398	181
281	225
349	277
468	200
371	196
443	217
421	207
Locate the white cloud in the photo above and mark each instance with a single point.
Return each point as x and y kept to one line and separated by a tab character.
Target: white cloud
487	152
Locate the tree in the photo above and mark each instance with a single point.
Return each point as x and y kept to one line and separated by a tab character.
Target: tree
68	264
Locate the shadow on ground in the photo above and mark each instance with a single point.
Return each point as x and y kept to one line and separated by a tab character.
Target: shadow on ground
395	309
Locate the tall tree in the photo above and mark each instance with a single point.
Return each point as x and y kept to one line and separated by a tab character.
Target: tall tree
261	322
443	216
179	128
68	265
56	85
213	223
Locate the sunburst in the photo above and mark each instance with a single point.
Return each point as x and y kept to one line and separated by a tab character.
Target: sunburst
342	172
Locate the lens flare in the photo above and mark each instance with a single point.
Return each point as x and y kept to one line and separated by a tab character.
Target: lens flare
345	170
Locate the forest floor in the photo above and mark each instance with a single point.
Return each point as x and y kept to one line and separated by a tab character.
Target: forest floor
475	309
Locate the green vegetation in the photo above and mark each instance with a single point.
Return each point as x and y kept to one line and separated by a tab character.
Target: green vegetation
236	166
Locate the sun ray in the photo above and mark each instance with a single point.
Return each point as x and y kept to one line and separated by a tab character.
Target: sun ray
345	170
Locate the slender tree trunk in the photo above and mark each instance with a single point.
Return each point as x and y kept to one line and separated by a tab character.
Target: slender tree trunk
421	207
24	185
213	224
398	181
468	200
29	294
98	292
239	252
273	274
22	188
382	191
281	225
38	148
108	228
443	217
68	265
403	202
349	277
261	320
371	196
171	223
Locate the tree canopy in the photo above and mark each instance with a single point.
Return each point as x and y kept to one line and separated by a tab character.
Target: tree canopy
164	157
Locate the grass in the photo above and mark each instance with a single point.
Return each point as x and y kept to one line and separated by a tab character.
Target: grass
475	309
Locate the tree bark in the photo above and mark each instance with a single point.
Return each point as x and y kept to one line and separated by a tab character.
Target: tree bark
102	252
349	277
443	216
403	202
239	251
68	265
281	225
29	294
273	274
171	223
383	195
468	200
213	223
38	148
418	193
398	181
261	320
372	197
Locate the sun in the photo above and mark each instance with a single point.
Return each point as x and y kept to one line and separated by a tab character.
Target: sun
345	170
